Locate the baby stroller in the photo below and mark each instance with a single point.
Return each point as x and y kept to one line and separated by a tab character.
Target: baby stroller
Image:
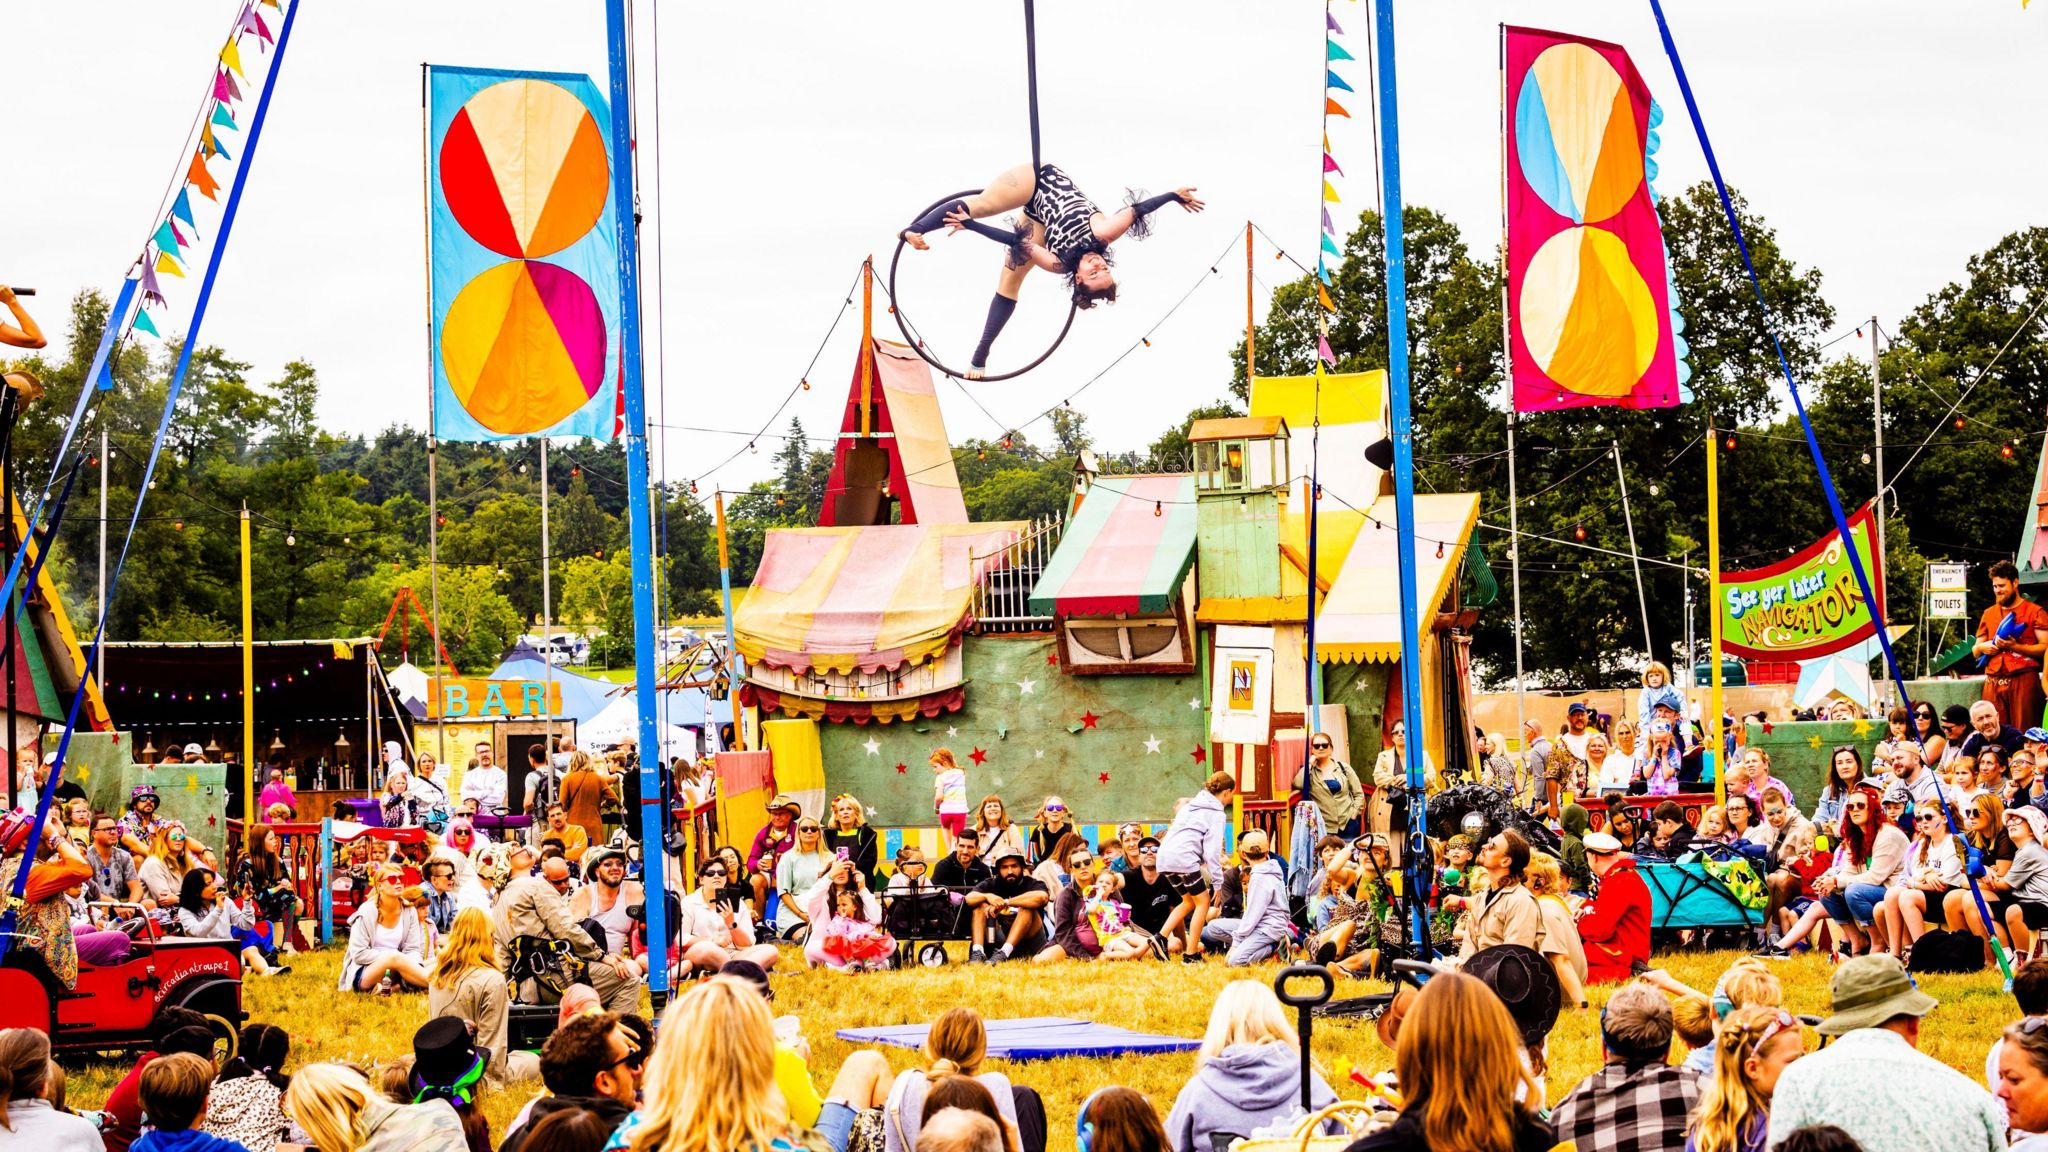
1714	893
921	919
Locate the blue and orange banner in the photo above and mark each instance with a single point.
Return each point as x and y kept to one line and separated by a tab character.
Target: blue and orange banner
1592	310
525	256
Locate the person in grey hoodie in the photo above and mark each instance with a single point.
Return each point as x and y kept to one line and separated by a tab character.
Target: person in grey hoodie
1247	1074
1263	929
1191	857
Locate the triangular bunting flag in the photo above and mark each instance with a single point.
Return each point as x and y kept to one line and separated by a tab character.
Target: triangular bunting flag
231	56
220	84
1327	226
164	263
1337	82
1329	193
200	178
182	209
206	138
1332	108
1329	305
1330	164
182	242
262	30
167	238
1330	246
143	322
272	3
148	286
1323	350
1337	52
234	89
221	117
1323	271
220	151
1334	27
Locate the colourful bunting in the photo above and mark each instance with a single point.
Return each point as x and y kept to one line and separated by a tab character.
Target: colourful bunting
167	238
221	118
1337	52
234	89
1329	193
220	84
220	151
164	263
198	177
1323	350
1332	108
175	233
1333	23
1323	271
206	139
1330	246
262	30
182	209
1330	164
231	56
1337	82
150	290
1327	225
1323	295
272	3
143	322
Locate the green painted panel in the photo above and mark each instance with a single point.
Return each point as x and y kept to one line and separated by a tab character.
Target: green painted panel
1028	750
1799	751
1238	546
1362	690
99	763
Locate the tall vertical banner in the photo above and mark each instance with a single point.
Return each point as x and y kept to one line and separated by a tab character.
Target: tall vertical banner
524	251
1592	309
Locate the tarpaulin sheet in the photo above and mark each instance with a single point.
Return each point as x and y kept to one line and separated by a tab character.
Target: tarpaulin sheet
1128	548
1036	1038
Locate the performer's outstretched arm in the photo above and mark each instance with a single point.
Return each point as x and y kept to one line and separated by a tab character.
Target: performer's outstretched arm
27	335
1132	217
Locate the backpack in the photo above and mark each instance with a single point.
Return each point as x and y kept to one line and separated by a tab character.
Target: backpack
1940	950
1740	879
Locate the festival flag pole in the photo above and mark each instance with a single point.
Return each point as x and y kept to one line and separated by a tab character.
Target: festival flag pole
1712	752
1635	558
732	648
249	809
433	490
547	625
1507	362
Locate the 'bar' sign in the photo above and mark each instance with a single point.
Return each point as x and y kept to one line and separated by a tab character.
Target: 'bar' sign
467	699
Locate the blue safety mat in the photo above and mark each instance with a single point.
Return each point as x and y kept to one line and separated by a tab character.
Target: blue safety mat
1036	1038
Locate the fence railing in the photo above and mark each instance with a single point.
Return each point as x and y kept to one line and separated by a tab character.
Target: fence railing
1002	597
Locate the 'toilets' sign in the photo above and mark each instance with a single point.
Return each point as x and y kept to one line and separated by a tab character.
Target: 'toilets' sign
469	699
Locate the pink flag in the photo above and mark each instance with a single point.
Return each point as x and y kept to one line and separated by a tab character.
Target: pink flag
1330	164
220	85
1323	350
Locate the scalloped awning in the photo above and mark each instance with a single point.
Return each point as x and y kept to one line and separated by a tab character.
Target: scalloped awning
871	598
1361	618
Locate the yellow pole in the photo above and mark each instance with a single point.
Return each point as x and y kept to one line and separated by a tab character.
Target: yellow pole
1714	610
248	689
1249	328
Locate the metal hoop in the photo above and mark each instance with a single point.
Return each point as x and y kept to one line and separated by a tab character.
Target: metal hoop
917	346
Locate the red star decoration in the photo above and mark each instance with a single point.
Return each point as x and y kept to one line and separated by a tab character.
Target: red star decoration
902	768
1088	719
212	821
1200	754
1104	778
1052	658
979	757
1767	727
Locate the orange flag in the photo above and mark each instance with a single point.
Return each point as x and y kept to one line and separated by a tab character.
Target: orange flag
1332	108
1323	295
200	178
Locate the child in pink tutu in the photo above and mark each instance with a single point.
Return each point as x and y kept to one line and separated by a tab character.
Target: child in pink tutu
846	931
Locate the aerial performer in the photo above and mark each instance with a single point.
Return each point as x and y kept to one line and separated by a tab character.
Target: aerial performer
1062	232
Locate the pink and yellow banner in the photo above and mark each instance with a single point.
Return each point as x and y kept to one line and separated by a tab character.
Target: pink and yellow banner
1592	318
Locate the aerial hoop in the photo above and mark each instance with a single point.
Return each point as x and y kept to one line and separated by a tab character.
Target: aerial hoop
916	345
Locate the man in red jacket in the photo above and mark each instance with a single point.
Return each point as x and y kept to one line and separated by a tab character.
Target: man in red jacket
1615	923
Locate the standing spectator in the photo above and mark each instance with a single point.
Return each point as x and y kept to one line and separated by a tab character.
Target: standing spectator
342	1113
279	792
1387	814
484	782
1638	1101
1877	1014
26	1115
1505	913
949	793
1191	857
1754	1047
1497	767
1615	924
1332	786
1560	941
467	985
543	780
847	831
1263	929
1458	1059
1571	846
1535	756
2012	651
584	791
1247	1073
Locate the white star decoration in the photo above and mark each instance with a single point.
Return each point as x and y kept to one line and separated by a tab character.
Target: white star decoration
1024	687
1151	745
1195	702
952	731
1038	754
873	746
871	810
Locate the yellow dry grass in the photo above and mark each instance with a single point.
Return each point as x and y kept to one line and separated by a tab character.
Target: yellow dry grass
1166	998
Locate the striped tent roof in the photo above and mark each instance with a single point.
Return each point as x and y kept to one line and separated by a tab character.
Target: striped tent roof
836	599
1361	618
1127	548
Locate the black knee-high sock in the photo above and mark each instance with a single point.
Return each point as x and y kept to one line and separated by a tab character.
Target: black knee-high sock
999	310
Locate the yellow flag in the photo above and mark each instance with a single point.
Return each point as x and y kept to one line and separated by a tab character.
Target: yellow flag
343	650
1329	193
232	57
164	263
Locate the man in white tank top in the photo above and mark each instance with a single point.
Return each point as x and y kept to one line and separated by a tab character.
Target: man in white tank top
606	898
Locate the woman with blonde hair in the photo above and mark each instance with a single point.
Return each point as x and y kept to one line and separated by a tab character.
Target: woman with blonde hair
341	1112
955	1046
710	1085
1499	768
1560	943
1052	822
847	831
387	950
170	857
1458	1059
1247	1073
1755	1044
466	984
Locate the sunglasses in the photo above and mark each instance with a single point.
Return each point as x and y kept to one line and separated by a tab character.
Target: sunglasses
1055	807
1148	851
464	834
1324	747
633	1059
1856	808
911	864
714	873
397	881
1926	816
559	885
1083	862
1779	1023
809	828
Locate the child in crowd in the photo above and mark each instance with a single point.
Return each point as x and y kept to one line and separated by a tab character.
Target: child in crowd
949	793
1111	920
851	936
173	1090
1661	760
1657	689
1693	1019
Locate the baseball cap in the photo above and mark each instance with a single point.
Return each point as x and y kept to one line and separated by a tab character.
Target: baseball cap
1869	990
1255	842
1008	853
194	750
1600	843
1955	714
1578	706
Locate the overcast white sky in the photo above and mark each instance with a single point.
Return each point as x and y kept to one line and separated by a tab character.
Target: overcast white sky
1886	140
